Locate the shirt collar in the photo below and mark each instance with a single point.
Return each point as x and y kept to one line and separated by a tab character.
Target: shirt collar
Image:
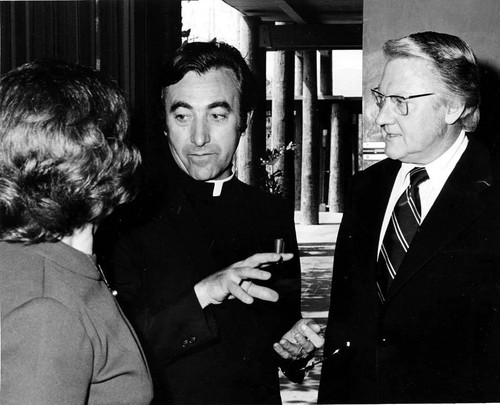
218	184
439	169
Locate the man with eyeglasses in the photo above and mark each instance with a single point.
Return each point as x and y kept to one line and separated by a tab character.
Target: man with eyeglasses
414	308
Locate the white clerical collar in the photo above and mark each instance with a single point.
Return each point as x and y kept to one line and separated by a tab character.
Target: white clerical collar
218	185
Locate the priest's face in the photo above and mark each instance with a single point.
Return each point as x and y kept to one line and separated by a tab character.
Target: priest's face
202	117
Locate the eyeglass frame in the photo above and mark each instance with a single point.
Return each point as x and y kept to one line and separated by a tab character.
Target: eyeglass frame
376	93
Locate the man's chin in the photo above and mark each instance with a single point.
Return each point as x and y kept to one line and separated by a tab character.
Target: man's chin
394	155
203	175
200	176
207	175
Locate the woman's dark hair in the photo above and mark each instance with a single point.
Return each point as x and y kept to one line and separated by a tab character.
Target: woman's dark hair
200	57
64	161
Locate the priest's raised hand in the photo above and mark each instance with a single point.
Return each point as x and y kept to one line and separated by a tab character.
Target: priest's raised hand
236	281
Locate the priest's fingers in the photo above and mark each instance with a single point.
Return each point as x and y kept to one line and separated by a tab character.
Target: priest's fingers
265	259
262	293
256	291
249	273
239	293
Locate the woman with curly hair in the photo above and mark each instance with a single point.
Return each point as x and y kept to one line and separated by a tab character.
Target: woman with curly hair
64	166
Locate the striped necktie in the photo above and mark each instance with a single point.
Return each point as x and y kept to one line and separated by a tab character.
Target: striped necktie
404	222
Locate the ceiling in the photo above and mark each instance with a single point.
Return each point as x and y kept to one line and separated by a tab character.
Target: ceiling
302	11
308	24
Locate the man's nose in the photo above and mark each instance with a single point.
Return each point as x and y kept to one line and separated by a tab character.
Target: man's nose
386	114
200	133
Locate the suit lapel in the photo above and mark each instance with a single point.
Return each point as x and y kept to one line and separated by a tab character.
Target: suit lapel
376	204
458	205
371	192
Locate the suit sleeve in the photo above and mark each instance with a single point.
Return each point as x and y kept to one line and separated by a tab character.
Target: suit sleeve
168	329
288	280
492	343
341	295
46	355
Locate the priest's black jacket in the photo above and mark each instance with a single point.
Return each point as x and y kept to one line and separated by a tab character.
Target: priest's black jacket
223	353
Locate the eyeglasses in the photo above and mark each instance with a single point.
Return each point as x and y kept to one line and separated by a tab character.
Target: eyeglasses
400	102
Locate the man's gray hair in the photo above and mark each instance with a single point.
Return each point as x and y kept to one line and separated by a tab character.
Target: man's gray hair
454	62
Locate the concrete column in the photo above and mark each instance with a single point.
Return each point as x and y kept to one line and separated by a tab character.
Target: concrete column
253	141
282	130
334	185
310	143
298	85
298	156
325	88
299	72
325	73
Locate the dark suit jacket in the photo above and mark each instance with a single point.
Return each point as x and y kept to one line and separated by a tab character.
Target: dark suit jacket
224	353
435	339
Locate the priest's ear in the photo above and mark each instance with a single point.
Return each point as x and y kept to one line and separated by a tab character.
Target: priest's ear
246	123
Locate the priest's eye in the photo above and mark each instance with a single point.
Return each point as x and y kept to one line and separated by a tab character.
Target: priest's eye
182	119
218	117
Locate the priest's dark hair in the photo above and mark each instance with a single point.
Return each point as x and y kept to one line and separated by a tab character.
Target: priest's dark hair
64	160
200	57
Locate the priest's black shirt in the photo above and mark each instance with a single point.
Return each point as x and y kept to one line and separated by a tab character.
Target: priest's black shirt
223	353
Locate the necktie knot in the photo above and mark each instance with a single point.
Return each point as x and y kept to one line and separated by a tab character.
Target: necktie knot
417	176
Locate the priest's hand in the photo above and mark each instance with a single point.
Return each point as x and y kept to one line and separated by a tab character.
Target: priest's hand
300	341
237	281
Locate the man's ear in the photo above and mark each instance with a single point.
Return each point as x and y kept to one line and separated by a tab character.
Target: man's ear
454	112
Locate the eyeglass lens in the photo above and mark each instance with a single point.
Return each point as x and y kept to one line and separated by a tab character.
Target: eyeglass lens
399	102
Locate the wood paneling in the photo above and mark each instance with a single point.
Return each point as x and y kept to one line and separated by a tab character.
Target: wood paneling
128	40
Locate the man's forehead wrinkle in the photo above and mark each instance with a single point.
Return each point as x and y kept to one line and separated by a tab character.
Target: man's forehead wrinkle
180	104
222	103
216	104
417	76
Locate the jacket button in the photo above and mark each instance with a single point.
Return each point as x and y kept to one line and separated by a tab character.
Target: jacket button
383	341
192	339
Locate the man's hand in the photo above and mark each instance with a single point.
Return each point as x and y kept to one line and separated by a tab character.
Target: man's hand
300	341
236	281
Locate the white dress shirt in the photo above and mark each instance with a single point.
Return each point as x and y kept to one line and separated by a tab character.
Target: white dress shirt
439	170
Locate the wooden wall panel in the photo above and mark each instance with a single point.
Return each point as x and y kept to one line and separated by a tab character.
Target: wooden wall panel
47	29
129	40
136	38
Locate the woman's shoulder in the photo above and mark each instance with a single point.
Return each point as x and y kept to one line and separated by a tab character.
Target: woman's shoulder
28	273
20	278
